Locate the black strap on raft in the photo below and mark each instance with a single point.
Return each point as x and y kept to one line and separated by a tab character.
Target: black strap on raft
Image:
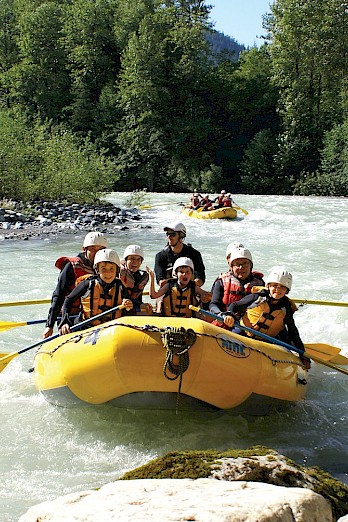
177	342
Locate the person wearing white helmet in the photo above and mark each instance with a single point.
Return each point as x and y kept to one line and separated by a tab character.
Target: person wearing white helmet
269	310
165	259
206	203
219	199
233	285
98	293
227	200
135	279
180	291
71	268
195	200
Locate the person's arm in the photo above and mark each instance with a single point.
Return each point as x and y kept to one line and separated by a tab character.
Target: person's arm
238	308
203	294
216	305
293	333
65	281
152	292
161	264
199	271
80	290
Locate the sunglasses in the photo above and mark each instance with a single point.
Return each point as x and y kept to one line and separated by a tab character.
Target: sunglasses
171	234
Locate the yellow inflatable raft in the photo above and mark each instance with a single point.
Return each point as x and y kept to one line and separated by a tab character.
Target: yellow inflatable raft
219	213
157	362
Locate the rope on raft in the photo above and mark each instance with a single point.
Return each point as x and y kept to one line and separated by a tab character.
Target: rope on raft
177	342
151	328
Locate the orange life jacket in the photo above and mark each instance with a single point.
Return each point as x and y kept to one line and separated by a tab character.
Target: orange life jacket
97	300
267	317
128	280
176	301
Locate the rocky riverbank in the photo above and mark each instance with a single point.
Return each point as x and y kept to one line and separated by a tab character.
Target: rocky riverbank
253	485
44	219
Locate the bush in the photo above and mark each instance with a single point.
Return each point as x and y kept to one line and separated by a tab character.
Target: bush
48	163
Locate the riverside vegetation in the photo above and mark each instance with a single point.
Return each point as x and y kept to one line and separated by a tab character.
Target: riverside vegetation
125	94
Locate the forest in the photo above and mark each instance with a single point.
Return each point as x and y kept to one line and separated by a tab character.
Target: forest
102	95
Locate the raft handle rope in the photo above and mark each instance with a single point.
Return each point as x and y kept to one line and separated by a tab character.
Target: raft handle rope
177	342
151	328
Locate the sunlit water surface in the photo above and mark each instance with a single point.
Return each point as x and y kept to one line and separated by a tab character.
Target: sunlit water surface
49	451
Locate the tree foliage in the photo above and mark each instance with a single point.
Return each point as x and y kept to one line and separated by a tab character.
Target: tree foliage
127	94
309	58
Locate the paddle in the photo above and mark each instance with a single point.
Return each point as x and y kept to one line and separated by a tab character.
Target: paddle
6	358
272	340
245	212
7	325
326	303
145	207
23	303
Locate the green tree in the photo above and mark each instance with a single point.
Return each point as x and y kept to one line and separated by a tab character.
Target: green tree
39	80
8	46
251	102
93	59
164	97
257	167
332	178
309	55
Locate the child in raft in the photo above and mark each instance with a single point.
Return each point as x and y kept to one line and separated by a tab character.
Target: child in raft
135	279
180	291
98	293
269	310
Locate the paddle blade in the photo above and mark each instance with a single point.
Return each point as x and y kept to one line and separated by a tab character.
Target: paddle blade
6	358
7	325
326	352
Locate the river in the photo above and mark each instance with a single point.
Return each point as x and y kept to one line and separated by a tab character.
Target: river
49	451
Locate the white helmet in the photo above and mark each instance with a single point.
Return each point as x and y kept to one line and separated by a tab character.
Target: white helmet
237	251
95	239
107	255
182	261
135	250
176	227
223	192
278	274
232	246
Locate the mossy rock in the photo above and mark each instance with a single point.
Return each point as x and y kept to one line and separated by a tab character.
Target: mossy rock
202	464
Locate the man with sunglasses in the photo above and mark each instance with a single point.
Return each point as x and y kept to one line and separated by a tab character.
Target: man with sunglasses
165	259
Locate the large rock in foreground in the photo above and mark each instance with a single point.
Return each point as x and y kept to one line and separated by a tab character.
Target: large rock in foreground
253	485
203	500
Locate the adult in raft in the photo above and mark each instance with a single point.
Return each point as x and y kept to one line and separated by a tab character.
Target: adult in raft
218	201
98	293
195	200
71	269
233	285
165	259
